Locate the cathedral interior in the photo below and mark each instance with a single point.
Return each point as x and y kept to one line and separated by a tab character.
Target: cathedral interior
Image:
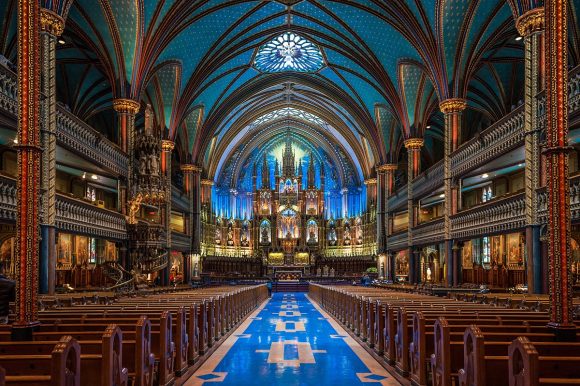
380	155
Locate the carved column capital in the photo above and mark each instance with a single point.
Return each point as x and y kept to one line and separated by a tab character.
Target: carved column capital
127	106
414	143
370	181
452	105
167	145
51	23
190	168
531	22
207	182
386	168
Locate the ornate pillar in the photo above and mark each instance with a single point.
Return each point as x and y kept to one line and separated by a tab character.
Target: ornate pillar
557	169
413	146
453	110
28	181
126	110
51	27
167	147
531	27
385	174
187	170
197	193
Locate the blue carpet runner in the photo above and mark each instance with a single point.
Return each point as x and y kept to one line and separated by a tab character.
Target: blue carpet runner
290	342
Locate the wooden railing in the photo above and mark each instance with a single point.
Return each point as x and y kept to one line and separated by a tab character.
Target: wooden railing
71	214
71	131
501	215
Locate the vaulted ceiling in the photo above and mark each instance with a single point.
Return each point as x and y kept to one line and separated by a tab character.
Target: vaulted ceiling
385	67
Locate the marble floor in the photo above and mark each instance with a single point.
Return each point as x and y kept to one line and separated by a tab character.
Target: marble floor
289	340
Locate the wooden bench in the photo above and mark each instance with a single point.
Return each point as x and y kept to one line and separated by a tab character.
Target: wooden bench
62	367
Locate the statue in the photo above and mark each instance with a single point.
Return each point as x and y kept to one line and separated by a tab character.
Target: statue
153	165
428	274
230	235
265	237
142	165
218	235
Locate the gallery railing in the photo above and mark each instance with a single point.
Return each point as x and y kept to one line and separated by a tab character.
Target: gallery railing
501	215
431	232
397	241
72	132
72	215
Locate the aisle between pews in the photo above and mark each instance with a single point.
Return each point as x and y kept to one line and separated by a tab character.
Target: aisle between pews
291	341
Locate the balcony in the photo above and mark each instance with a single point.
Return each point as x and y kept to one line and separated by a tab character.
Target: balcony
501	215
574	201
501	137
428	181
72	133
431	232
72	215
82	217
397	241
398	200
180	241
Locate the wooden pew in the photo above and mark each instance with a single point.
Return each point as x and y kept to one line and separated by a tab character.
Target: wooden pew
62	367
101	360
543	363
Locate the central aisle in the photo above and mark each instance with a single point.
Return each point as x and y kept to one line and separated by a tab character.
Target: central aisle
291	341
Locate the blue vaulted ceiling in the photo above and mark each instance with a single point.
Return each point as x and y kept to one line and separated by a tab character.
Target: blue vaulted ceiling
193	61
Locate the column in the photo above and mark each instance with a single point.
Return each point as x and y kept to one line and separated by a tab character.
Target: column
385	174
51	27
126	110
187	170
167	147
197	227
28	182
557	170
452	110
413	146
531	27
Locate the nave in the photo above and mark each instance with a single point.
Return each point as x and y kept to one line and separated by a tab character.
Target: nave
289	340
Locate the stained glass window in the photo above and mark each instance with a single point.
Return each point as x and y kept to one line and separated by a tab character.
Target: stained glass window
289	52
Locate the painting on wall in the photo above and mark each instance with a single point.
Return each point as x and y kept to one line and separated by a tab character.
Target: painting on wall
65	250
514	249
81	249
110	251
7	266
497	250
402	264
467	255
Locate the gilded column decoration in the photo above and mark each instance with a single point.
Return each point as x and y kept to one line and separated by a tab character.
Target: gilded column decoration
452	110
28	156
126	110
385	175
197	193
531	27
413	146
557	169
187	170
167	147
51	26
